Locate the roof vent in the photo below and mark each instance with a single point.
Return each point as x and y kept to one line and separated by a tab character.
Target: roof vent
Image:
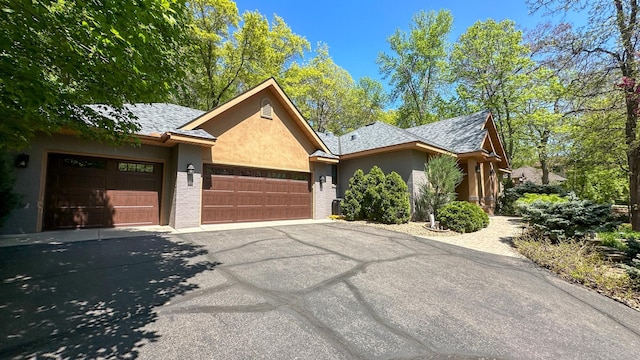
354	136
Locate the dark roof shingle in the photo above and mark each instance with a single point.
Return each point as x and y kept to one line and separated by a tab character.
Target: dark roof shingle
460	134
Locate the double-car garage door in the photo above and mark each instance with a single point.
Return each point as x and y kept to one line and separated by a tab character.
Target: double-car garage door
83	191
233	194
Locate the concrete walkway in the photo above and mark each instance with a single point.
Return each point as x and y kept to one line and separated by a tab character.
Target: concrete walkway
494	239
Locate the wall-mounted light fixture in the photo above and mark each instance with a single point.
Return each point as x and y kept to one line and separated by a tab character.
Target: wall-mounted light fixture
478	168
492	172
323	179
190	171
22	161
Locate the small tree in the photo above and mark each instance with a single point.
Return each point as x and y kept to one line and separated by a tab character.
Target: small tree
397	207
443	175
352	203
374	195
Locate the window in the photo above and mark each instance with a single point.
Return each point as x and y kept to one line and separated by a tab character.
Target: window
334	174
83	162
265	109
135	167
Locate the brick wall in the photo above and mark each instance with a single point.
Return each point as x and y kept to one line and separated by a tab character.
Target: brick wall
323	194
186	202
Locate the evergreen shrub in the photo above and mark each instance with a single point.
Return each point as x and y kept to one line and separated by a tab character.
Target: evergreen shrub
463	217
568	220
377	197
505	204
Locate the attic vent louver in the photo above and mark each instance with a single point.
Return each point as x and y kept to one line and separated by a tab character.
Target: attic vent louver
354	136
265	109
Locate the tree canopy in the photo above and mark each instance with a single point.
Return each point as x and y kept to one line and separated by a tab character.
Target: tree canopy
58	56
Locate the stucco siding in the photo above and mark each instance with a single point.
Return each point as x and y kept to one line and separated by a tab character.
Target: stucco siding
244	138
30	181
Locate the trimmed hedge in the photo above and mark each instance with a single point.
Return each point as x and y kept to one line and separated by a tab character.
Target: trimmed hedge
463	217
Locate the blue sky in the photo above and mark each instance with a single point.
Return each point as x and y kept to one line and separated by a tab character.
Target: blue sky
356	31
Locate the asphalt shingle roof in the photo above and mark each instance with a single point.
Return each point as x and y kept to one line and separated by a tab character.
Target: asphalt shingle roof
460	134
158	118
323	154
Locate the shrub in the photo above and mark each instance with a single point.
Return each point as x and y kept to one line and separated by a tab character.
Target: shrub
528	199
443	175
9	200
352	203
505	204
396	206
377	197
463	217
571	219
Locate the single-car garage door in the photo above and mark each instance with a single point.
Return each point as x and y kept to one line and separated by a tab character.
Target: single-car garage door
83	191
232	194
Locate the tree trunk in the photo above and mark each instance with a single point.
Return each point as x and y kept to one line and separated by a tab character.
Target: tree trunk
543	156
634	188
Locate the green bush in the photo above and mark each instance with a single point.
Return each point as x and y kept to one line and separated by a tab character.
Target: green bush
528	199
396	206
505	204
9	200
571	219
352	203
443	176
463	217
377	197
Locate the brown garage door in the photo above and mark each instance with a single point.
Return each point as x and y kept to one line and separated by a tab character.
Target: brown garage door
83	191
242	194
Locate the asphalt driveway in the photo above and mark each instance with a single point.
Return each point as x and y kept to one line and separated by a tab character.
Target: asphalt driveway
320	291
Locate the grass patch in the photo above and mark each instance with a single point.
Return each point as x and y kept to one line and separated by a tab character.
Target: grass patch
578	262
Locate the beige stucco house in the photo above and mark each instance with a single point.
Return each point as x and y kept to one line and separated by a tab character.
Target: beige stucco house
254	158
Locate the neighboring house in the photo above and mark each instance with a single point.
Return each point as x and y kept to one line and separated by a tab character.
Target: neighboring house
254	158
531	174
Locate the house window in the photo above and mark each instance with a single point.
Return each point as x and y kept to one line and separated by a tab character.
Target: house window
334	174
265	109
135	167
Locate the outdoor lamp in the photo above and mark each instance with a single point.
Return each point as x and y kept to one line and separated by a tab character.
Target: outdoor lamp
323	179
478	168
22	161
191	169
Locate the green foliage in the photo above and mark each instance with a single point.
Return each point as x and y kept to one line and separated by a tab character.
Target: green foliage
443	176
374	195
9	200
418	65
566	220
505	204
492	66
528	199
230	53
353	198
60	55
463	217
377	197
396	205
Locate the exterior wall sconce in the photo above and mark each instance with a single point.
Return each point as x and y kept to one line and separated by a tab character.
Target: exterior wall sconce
323	179
22	161
190	171
478	168
492	172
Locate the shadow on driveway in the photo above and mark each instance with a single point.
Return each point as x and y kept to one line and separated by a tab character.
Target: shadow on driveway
89	299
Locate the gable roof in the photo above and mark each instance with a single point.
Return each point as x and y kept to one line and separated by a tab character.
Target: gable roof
375	136
461	134
271	85
157	119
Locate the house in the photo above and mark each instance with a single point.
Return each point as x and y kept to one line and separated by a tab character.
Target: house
534	175
254	158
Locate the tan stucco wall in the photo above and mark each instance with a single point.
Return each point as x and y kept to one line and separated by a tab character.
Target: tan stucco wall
30	181
244	138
